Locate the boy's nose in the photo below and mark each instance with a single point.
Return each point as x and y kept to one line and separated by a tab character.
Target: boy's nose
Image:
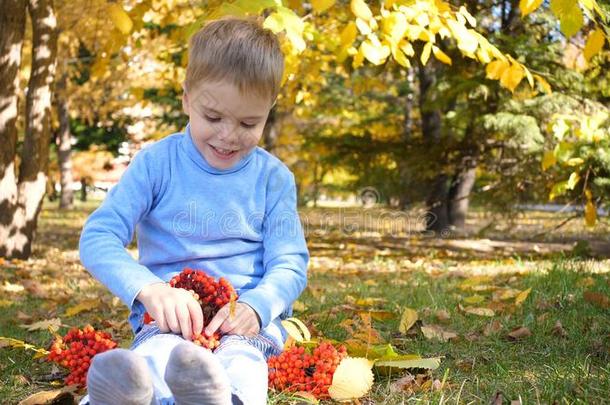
229	133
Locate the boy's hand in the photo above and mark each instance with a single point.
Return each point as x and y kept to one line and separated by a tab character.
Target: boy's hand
174	309
245	321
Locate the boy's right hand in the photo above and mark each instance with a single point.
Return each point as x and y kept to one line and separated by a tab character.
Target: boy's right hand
173	309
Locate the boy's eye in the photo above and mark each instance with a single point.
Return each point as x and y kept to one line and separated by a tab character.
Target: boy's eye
212	119
243	124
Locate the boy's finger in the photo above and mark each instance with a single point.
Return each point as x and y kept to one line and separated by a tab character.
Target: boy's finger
170	319
160	320
184	319
218	320
196	316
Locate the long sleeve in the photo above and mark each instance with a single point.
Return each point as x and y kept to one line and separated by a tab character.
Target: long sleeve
110	229
285	253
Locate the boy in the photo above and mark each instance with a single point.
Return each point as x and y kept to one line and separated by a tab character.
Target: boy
209	199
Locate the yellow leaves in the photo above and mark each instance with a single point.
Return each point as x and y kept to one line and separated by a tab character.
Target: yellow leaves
352	379
431	363
408	319
394	26
590	212
569	14
375	52
594	44
546	87
495	69
119	18
573	180
548	159
361	10
441	56
474	299
12	288
512	76
296	329
528	6
86	305
321	6
284	19
520	299
20	344
348	35
425	54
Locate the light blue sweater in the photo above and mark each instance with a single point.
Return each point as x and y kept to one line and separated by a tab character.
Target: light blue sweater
240	223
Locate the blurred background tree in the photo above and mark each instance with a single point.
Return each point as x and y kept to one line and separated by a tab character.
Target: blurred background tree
432	104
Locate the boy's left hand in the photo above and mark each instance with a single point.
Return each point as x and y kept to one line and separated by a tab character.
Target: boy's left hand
244	321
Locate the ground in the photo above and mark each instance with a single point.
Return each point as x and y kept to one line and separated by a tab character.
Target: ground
515	309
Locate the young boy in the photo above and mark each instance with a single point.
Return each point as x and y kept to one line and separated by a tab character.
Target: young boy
209	199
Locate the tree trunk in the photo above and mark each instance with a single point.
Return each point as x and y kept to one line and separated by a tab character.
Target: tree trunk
83	189
459	195
12	28
437	214
35	154
64	149
406	178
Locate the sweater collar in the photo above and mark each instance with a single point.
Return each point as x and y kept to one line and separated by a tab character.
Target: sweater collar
191	150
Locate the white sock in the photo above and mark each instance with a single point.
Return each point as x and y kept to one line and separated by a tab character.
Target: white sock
195	377
119	376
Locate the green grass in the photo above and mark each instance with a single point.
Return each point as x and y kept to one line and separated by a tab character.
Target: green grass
541	368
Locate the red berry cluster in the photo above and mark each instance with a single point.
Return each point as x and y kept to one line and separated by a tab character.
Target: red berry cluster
76	350
211	294
297	370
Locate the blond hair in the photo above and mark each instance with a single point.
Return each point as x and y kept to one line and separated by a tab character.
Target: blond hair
240	51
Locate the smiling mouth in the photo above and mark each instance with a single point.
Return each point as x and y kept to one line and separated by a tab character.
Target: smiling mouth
223	153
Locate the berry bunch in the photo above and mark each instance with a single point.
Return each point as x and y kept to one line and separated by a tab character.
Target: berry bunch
211	295
76	350
297	370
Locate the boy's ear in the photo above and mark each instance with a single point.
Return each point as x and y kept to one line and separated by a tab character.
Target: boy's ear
185	103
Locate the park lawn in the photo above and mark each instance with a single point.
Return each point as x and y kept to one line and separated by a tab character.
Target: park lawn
350	277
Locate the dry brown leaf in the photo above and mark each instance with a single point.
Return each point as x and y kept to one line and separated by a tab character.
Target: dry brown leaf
558	330
49	324
307	396
505	294
586	282
22	316
519	333
492	328
404	384
597	299
479	311
442	315
35	289
378	315
498	399
62	396
437	332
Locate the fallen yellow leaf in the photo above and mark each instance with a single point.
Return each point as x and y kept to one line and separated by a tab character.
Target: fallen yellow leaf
408	319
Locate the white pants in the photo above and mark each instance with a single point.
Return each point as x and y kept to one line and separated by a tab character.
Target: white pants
243	358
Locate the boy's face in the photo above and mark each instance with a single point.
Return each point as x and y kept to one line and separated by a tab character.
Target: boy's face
225	124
